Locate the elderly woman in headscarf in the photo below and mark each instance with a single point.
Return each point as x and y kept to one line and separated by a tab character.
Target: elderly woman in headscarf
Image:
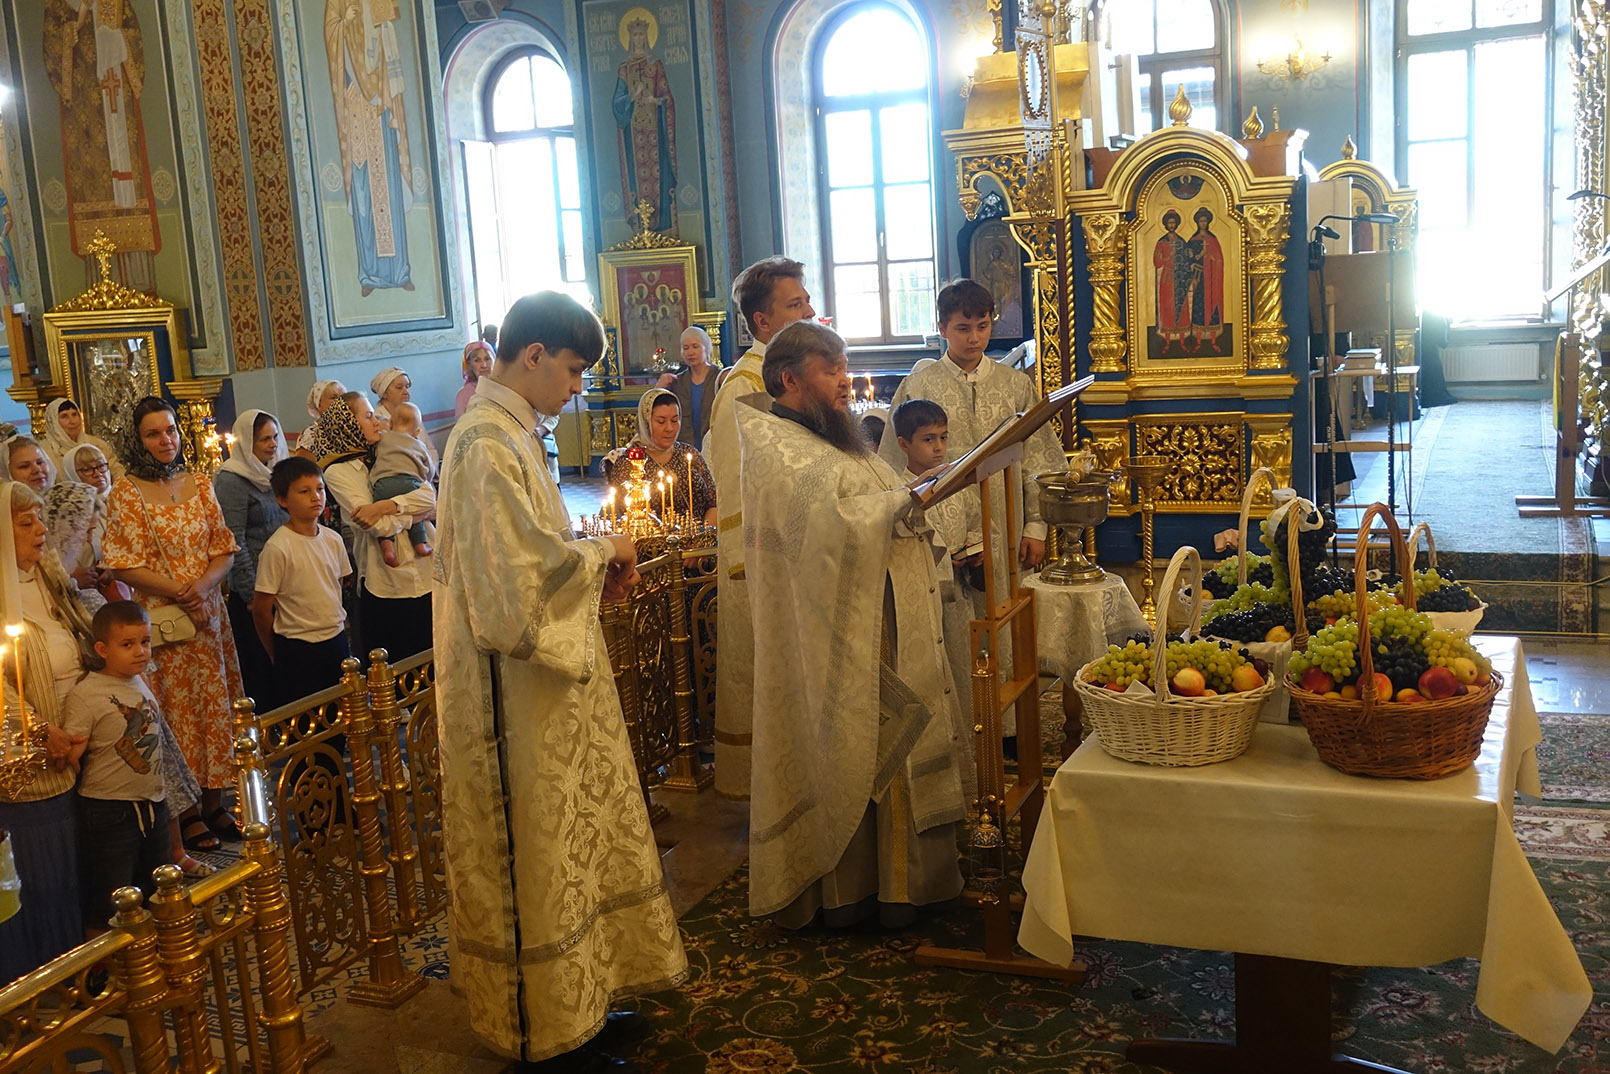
393	602
252	514
168	541
77	540
659	420
695	386
64	430
320	396
478	355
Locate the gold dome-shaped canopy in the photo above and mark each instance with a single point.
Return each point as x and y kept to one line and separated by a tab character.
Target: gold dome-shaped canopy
1253	127
1179	109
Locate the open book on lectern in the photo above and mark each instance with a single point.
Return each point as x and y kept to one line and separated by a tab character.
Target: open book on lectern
959	474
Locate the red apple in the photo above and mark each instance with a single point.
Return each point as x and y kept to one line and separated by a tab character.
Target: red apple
1316	681
1438	683
1189	682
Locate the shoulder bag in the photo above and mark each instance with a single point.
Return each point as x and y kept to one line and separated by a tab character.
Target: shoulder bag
170	624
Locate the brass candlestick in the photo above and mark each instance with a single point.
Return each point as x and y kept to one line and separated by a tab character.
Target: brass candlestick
1147	471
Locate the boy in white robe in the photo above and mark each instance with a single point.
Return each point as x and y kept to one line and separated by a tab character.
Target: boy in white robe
558	903
978	394
922	430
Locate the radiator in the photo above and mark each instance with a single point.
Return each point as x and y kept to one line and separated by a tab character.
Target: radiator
1493	363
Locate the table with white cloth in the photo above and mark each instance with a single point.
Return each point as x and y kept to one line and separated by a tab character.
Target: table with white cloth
1073	625
1295	866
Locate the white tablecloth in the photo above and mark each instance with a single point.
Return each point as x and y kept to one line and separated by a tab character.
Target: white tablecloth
1275	853
1073	624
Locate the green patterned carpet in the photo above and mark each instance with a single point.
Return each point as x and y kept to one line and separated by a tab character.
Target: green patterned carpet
763	1000
1573	760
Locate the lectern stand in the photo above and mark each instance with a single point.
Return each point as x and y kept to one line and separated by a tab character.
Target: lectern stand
1011	613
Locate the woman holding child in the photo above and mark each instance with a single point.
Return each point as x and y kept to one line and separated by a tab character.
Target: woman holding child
168	541
659	419
394	601
252	514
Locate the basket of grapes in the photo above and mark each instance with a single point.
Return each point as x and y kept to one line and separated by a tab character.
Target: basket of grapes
1184	702
1386	693
1256	613
1449	602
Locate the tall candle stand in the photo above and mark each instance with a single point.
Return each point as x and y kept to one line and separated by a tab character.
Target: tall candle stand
1147	471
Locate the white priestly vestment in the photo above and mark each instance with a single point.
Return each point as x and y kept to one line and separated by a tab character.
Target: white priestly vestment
558	901
855	788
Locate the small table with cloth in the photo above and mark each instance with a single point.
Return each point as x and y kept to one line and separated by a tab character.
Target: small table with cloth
1073	625
1295	866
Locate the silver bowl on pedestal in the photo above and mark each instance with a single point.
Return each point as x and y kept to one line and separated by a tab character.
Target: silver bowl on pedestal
1072	504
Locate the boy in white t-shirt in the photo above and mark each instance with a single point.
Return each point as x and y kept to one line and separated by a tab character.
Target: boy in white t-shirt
297	608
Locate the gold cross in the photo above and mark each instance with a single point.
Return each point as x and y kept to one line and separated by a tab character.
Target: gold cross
643	213
103	248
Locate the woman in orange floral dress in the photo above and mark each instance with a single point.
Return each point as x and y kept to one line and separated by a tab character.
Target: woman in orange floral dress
167	539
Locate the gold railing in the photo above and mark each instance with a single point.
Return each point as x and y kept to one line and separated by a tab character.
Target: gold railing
662	649
215	954
356	795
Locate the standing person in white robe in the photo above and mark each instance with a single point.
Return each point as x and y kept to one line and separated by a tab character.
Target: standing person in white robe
770	295
558	901
856	793
978	394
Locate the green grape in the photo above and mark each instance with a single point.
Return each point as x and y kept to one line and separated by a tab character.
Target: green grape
1333	605
1442	647
1334	650
1395	621
1122	665
1244	598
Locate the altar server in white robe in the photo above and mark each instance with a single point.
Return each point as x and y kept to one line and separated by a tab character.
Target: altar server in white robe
770	294
978	394
558	902
856	793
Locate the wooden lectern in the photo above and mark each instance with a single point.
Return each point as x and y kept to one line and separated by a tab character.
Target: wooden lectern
1010	613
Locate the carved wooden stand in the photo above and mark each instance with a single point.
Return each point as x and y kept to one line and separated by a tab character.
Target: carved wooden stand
997	803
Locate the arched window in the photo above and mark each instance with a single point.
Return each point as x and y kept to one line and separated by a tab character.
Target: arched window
1476	135
874	147
524	188
1176	42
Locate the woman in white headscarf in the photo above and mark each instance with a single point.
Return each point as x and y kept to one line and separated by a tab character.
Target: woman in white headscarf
253	514
657	445
393	387
64	430
77	541
321	395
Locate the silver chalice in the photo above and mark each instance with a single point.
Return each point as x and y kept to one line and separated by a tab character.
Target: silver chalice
1072	504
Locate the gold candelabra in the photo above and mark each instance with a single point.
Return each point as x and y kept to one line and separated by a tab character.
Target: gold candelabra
1147	472
22	750
630	511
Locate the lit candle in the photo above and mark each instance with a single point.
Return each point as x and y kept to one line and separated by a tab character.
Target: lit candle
14	632
5	712
670	499
611	507
691	520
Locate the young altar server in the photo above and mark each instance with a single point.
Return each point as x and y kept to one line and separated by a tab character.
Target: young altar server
770	295
558	903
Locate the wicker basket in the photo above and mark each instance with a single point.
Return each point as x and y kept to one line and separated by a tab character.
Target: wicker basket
1466	621
1277	709
1425	740
1160	728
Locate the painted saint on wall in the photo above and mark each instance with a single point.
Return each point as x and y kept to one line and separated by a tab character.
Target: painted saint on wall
95	61
645	113
10	285
366	79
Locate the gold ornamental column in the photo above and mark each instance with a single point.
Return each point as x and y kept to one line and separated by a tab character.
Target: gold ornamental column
1106	235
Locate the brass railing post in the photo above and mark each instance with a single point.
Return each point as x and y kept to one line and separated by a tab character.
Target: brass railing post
184	965
394	785
143	984
687	774
289	1049
389	985
622	649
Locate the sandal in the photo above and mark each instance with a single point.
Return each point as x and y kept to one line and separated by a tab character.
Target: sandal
195	835
229	829
193	869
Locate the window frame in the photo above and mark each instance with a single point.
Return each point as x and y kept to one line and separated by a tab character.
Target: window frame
1406	45
871	103
538	132
1152	65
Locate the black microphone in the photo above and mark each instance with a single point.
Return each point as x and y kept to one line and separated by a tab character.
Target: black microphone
1585	193
1328	232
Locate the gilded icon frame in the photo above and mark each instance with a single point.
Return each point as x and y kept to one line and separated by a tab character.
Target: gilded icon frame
76	341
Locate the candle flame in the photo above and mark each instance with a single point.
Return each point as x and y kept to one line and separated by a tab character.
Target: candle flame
14	630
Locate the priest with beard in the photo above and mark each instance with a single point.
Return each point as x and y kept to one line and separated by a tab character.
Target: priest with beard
855	790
